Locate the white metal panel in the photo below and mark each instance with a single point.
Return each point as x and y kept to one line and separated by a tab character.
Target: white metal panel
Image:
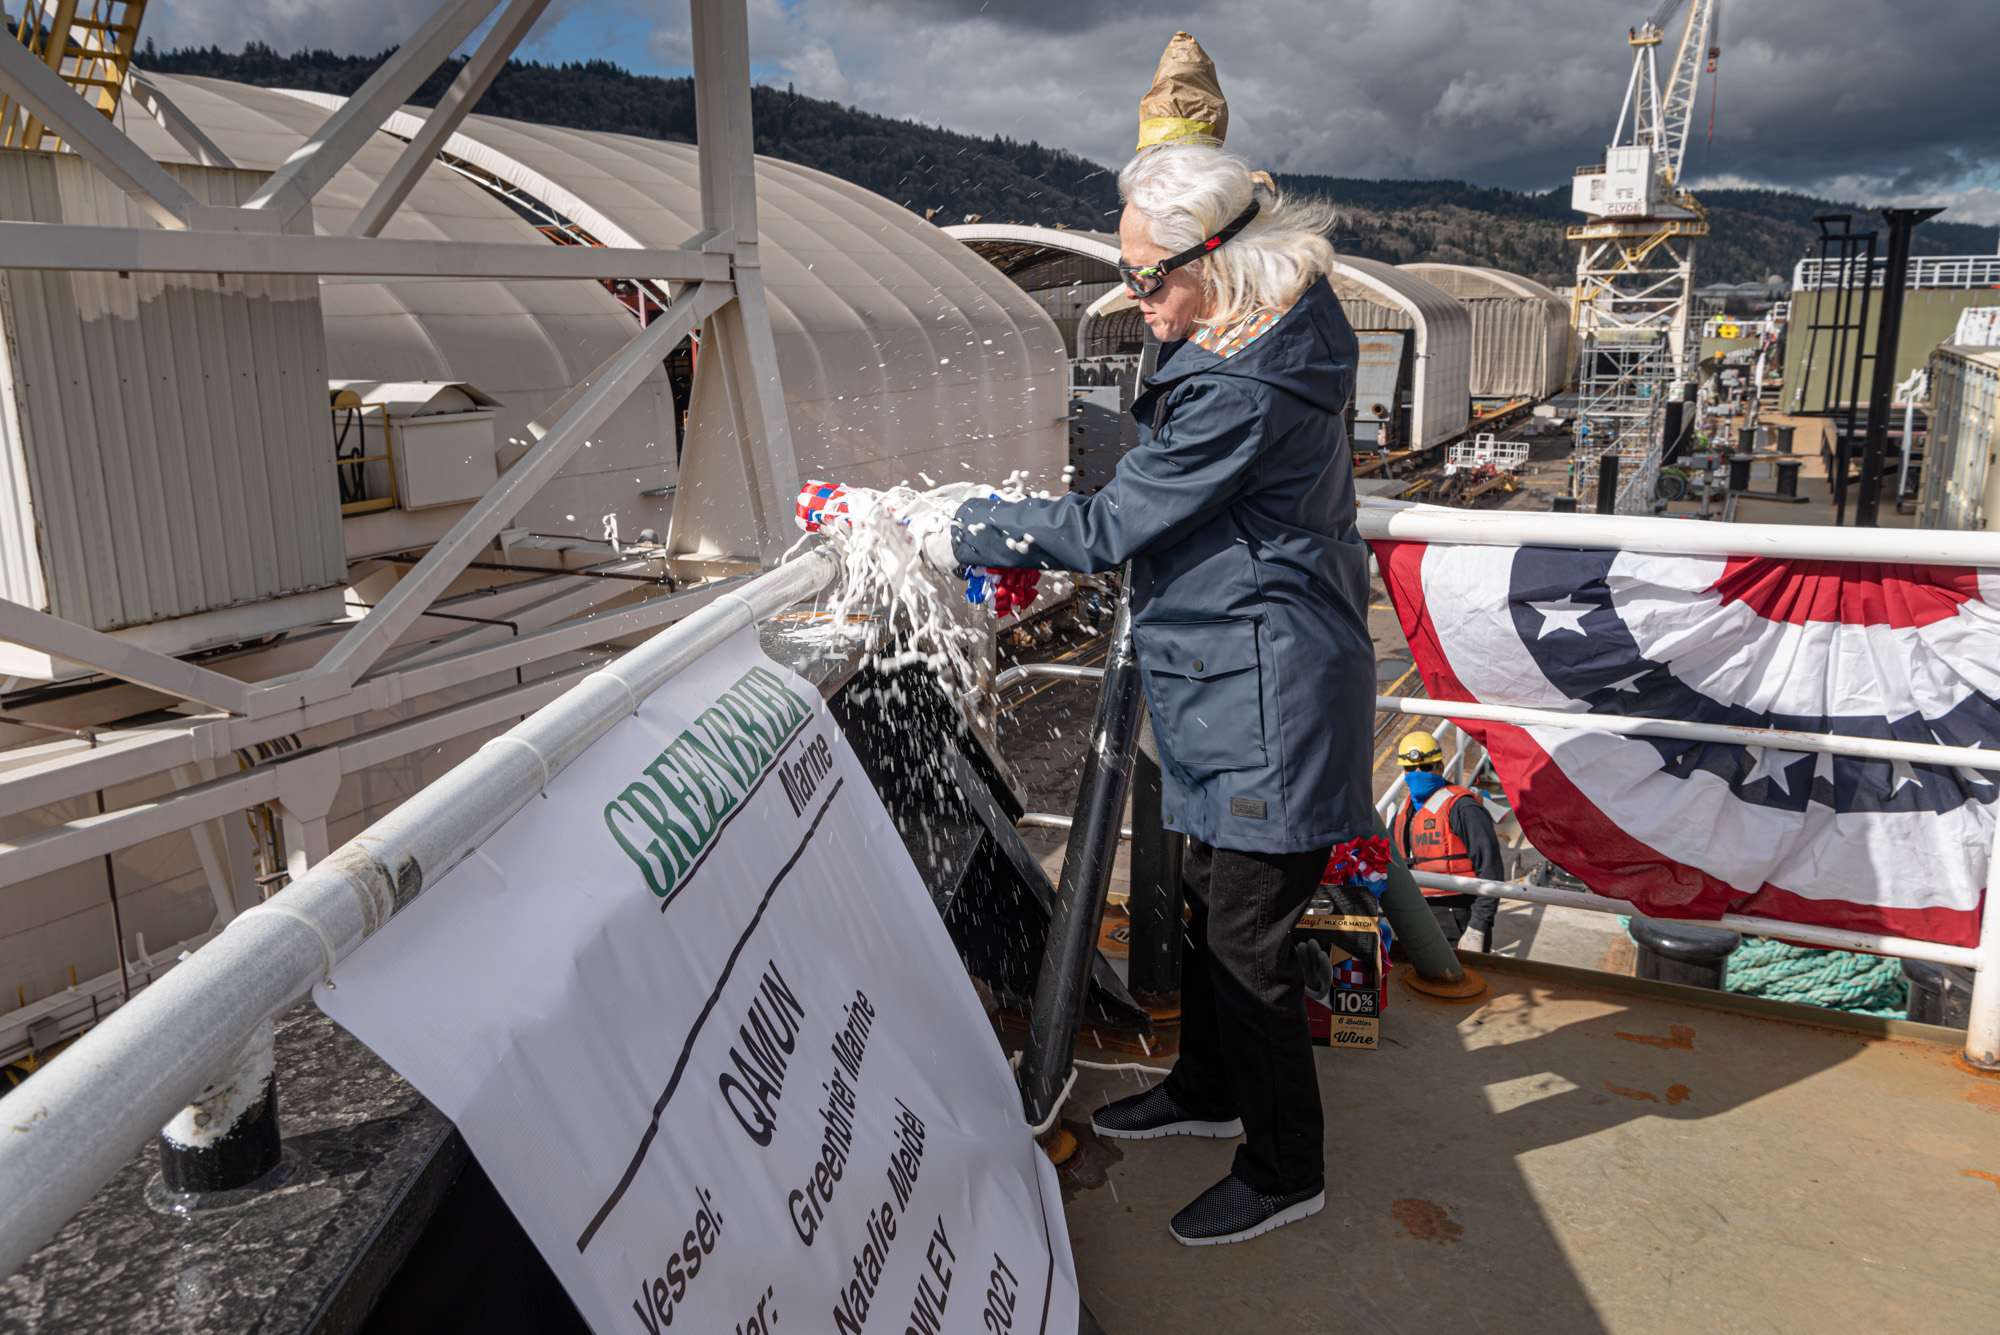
1381	296
524	343
1961	486
21	578
443	458
1522	340
898	348
174	426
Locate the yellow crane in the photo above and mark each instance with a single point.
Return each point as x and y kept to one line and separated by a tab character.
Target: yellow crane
89	43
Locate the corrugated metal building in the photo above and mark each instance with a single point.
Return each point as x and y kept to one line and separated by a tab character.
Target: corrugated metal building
898	350
164	436
1961	485
1434	381
1064	270
1381	297
1523	343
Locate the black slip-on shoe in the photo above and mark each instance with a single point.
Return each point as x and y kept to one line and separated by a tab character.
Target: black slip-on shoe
1233	1211
1153	1114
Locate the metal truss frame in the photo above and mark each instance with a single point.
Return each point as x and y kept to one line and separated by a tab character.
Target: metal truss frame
410	644
1634	290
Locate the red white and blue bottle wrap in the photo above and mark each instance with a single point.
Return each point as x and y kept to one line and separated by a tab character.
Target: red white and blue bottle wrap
822	505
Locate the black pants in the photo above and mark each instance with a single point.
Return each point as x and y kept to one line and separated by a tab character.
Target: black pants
1245	1049
1456	913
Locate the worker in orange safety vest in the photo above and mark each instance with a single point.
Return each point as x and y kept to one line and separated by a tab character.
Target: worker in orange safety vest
1445	828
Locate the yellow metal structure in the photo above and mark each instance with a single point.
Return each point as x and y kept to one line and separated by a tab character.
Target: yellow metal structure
353	476
89	43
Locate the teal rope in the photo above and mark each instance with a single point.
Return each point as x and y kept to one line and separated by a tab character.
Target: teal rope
1837	979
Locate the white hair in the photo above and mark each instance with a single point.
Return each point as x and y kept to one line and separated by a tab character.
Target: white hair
1190	191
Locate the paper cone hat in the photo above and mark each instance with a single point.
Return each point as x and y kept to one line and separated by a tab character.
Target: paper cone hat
1185	100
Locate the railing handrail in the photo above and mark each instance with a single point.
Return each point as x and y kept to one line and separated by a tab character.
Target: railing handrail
75	1122
1926	272
1401	521
1625	725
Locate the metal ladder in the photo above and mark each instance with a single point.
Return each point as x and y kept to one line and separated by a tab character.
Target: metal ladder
89	43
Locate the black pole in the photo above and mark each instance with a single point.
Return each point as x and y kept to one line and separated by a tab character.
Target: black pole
1888	329
1086	875
117	919
1154	964
1607	484
1857	256
1670	430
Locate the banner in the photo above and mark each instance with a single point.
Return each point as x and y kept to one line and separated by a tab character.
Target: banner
1698	829
697	1017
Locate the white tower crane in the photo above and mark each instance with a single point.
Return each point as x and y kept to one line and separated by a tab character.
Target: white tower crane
1635	272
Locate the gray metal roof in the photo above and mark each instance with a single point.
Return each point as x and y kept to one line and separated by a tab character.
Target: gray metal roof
1471	281
1381	296
898	350
1523	342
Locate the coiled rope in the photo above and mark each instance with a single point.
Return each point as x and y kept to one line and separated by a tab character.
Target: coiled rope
1837	979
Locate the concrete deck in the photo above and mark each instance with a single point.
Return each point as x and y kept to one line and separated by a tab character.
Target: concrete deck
1570	1155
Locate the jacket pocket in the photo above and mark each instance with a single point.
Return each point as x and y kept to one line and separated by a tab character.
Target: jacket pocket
1205	685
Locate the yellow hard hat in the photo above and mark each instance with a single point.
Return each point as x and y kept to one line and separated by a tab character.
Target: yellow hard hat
1418	748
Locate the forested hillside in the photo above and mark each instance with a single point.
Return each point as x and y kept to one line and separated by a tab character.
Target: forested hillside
926	168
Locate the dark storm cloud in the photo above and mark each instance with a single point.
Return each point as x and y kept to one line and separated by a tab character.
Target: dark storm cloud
1862	97
1039	16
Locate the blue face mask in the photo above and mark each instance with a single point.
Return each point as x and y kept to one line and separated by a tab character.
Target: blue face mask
1422	783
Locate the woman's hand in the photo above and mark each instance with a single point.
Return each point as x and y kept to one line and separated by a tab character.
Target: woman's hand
924	521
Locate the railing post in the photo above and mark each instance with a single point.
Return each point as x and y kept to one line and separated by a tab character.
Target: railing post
1607	483
1982	1033
228	1137
1086	874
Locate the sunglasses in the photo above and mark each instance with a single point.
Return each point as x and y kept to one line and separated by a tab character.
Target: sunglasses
1143	280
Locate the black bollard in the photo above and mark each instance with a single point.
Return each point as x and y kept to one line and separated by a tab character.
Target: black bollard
1785	434
1671	437
1673	952
1154	962
1739	472
1086	875
1788	476
1939	994
1563	505
1746	440
228	1137
1607	484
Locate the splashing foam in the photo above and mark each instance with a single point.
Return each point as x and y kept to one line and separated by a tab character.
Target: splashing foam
905	611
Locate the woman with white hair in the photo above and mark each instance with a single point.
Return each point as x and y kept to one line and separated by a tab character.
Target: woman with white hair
1250	616
1249	590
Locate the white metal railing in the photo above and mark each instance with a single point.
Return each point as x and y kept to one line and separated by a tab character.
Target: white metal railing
76	1122
1486	448
1466	754
1403	521
1465	757
1926	272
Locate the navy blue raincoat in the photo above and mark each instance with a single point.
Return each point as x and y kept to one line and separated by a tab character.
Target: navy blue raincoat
1249	581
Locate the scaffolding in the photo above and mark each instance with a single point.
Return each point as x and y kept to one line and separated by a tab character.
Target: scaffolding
1635	269
1634	285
